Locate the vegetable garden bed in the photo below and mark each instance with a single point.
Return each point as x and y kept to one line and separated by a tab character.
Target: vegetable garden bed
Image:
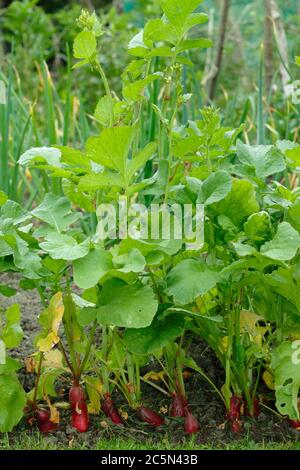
153	291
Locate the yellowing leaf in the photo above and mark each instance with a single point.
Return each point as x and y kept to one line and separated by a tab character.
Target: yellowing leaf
155	376
269	380
51	319
224	343
248	324
54	413
53	359
30	364
248	321
94	389
123	414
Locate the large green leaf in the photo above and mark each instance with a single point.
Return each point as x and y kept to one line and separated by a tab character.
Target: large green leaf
12	212
85	45
293	215
178	12
190	279
284	245
93	182
61	246
157	30
286	369
12	403
134	91
111	148
215	188
266	159
258	226
56	211
140	159
89	269
48	155
12	333
239	203
131	262
154	337
123	305
30	263
285	282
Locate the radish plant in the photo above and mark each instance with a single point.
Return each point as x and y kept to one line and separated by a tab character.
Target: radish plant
236	288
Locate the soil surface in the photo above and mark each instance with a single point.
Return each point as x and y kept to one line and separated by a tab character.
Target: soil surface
204	402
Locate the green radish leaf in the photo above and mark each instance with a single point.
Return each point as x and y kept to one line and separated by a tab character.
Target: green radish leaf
10	366
178	12
56	212
48	155
111	148
188	44
284	245
190	279
86	316
157	30
195	19
258	226
74	158
131	262
5	248
89	269
149	340
6	290
104	112
13	401
12	332
140	159
30	264
293	155
76	197
123	305
137	46
134	91
85	45
12	212
93	182
64	247
293	215
215	188
286	370
239	203
286	283
266	159
243	249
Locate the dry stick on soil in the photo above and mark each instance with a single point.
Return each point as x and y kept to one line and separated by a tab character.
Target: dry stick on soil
220	48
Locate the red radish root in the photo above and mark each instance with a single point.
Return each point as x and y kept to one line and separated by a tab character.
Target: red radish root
178	406
294	424
110	411
234	413
80	418
43	421
149	416
191	424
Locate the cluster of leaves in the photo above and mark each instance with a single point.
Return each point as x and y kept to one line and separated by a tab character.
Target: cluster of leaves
238	291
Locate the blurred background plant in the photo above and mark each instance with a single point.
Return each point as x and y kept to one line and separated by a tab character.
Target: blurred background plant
248	74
